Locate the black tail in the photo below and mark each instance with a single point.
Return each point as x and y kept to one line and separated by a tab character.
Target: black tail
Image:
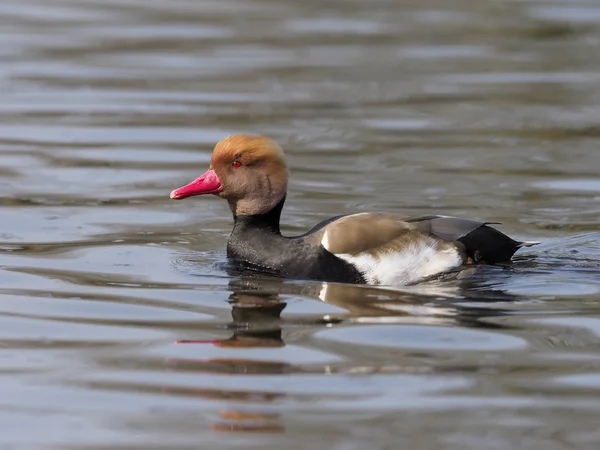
488	245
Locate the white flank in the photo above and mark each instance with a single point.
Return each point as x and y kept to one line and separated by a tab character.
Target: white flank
411	265
325	242
323	293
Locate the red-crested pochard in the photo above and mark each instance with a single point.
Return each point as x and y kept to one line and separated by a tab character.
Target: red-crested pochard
251	173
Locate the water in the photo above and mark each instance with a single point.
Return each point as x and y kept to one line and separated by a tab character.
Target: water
121	326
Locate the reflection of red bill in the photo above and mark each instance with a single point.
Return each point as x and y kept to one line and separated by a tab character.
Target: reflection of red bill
240	415
191	341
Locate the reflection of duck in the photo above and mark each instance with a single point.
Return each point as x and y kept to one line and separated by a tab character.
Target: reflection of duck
257	307
237	421
257	324
234	419
255	321
251	173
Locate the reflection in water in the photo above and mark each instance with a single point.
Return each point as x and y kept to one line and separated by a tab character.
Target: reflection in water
253	315
257	306
256	323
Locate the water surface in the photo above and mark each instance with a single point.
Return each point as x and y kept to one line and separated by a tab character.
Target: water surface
121	326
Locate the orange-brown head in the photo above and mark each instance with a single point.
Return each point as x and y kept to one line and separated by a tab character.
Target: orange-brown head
250	172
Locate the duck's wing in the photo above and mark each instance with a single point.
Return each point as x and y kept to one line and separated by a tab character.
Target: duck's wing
362	232
389	249
380	233
482	242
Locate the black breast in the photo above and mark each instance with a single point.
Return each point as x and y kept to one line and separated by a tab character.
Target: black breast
263	250
256	243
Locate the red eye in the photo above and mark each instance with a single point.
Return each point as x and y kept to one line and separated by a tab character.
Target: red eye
236	164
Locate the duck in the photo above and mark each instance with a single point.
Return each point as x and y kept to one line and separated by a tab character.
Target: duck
374	248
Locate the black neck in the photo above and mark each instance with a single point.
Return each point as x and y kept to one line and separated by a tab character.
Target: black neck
268	221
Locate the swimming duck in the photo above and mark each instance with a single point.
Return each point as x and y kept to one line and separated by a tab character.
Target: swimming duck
251	173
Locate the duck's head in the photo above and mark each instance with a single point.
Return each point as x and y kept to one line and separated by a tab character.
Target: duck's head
250	172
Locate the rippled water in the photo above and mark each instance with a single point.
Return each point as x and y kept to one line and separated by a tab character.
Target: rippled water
121	325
